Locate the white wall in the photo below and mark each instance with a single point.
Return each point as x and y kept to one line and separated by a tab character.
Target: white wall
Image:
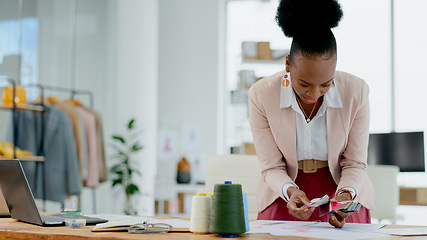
188	74
135	87
188	65
56	28
117	60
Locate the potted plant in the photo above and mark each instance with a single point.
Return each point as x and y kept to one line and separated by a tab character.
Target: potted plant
124	168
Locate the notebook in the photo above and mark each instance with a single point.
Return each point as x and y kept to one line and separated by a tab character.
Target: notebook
178	225
20	200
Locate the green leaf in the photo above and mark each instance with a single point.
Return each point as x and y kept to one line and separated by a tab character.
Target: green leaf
131	171
136	147
117	181
116	168
119	138
120	172
130	125
131	189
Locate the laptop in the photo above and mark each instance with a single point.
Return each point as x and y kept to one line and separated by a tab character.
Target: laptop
4	211
20	200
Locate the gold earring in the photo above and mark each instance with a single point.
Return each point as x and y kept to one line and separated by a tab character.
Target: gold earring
285	80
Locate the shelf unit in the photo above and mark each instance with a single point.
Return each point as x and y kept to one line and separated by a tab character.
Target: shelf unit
171	197
238	130
19	107
26	158
280	61
22	107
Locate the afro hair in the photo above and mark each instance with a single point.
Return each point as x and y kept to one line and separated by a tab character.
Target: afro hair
296	16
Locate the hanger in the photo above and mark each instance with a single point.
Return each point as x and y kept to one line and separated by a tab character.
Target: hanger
53	100
39	99
70	102
78	103
73	102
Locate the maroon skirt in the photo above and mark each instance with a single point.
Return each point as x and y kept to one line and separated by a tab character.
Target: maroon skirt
314	185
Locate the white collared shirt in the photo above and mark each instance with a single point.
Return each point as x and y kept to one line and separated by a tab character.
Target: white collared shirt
311	138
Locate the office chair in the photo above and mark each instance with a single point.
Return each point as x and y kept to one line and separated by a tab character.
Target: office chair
384	179
240	169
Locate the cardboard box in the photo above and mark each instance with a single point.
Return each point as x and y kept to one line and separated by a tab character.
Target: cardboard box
413	196
156	207
166	207
264	51
248	149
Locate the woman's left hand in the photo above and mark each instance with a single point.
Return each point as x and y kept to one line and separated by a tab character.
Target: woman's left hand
337	219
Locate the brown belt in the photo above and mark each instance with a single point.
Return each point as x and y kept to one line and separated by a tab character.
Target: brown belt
311	165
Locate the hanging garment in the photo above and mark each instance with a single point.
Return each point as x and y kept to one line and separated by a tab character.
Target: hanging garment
102	165
61	167
80	137
90	128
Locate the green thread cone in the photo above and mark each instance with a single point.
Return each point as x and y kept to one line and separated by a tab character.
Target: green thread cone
227	216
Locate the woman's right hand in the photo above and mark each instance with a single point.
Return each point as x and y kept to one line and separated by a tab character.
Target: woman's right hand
297	199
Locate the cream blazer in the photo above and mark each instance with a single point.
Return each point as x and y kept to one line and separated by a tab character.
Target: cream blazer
274	134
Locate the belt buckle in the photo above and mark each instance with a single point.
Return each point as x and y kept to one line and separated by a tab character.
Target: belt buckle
309	166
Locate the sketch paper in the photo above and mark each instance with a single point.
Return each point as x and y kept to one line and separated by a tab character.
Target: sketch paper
167	148
322	230
410	231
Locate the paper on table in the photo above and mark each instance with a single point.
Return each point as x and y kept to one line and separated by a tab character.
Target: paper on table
316	229
264	226
412	231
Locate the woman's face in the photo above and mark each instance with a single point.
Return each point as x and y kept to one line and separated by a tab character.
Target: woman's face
311	77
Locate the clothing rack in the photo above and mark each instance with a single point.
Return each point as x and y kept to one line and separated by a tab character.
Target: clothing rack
73	92
15	127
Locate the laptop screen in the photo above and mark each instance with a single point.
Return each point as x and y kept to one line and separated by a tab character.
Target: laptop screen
17	193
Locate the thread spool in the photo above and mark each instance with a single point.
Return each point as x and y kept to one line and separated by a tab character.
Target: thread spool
210	194
200	213
245	209
227	215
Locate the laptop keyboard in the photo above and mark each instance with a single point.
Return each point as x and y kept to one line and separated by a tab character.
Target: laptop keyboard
89	220
52	219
